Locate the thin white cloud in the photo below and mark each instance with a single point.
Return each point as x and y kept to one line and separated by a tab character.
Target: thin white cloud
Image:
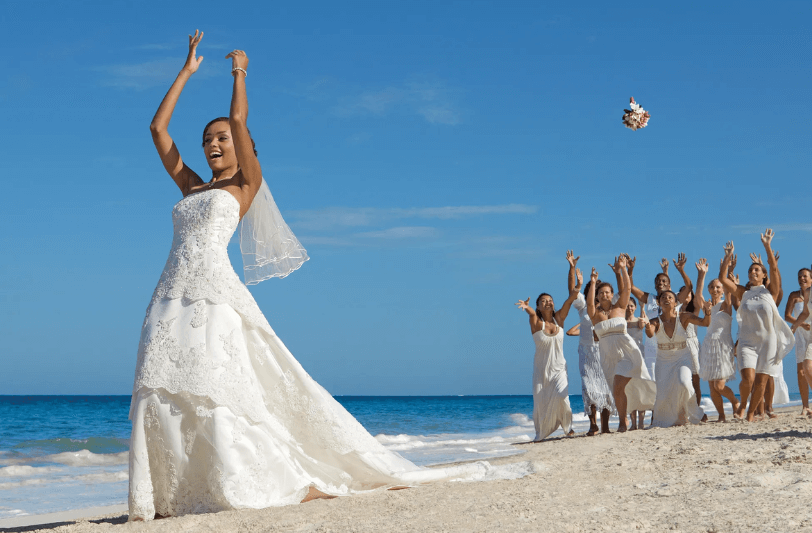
155	46
403	232
337	217
432	101
753	228
148	74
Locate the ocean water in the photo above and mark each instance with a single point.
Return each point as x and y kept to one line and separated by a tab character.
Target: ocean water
71	452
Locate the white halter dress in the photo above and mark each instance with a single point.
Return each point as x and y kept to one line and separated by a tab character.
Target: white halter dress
716	354
620	356
594	389
551	400
676	399
223	415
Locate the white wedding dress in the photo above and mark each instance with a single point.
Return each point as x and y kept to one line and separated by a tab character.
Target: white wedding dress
223	416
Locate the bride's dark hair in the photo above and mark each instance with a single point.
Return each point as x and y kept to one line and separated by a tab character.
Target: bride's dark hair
225	119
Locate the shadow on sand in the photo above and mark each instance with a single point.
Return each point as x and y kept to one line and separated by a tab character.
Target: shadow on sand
114	520
758	436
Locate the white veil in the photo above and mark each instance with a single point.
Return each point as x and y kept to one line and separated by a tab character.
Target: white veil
269	248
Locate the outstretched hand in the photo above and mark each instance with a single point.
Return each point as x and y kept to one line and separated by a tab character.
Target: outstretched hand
729	249
630	262
702	265
680	261
593	278
664	265
767	237
192	61
571	259
524	304
756	258
238	60
579	276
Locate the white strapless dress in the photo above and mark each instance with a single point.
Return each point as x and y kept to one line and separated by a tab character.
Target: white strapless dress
620	356
223	416
551	400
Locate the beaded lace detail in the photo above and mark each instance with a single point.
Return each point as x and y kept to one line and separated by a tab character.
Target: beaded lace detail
198	266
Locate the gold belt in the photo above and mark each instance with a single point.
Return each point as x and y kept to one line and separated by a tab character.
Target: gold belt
672	346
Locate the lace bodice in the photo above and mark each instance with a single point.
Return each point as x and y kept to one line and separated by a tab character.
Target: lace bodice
198	266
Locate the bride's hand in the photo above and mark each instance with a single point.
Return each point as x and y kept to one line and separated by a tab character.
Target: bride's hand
193	62
238	60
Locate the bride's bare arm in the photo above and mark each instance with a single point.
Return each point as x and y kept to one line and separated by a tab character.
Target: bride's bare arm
238	120
183	176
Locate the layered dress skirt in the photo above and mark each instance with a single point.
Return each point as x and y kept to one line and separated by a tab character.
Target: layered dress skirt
716	353
223	415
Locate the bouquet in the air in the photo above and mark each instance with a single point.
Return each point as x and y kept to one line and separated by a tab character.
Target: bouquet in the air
636	117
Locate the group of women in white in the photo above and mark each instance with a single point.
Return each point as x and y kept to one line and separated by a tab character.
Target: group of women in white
633	362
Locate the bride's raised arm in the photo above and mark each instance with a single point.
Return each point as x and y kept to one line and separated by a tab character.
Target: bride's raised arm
184	177
238	121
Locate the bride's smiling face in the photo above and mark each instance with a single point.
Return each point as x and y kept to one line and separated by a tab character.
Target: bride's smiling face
218	145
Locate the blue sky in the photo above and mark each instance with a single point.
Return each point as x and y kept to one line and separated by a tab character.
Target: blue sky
436	159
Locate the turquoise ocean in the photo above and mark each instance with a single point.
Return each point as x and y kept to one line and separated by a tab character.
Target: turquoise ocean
71	452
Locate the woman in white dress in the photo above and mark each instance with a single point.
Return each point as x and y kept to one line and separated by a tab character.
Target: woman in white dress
636	326
764	337
795	306
595	392
676	397
716	361
551	400
223	416
648	301
622	362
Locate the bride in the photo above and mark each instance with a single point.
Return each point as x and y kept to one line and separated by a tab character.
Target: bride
223	416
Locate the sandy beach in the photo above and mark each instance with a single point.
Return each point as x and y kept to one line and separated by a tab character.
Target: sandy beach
711	477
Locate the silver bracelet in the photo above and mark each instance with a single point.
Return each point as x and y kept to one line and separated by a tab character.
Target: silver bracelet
241	69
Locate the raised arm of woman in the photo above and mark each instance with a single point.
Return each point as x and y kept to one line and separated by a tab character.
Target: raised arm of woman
680	262
624	286
238	121
573	261
535	323
590	297
185	178
775	274
727	283
562	313
702	270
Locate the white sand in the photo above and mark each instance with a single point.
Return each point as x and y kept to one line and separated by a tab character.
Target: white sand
710	477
